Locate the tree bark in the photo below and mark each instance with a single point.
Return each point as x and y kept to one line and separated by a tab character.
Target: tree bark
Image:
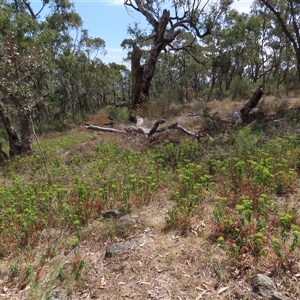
14	141
138	97
26	130
251	103
142	75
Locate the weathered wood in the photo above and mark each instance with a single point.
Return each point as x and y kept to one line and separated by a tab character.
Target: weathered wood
155	126
99	128
251	103
14	141
182	129
26	130
148	132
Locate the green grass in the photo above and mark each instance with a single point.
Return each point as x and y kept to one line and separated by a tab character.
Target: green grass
85	178
81	186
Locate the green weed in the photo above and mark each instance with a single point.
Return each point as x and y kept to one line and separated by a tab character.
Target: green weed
192	187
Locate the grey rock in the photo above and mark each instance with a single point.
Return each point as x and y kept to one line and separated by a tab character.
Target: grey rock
236	118
277	296
58	294
116	249
111	213
265	287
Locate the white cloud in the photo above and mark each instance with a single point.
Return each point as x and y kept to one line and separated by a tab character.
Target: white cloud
114	2
115	50
110	2
242	6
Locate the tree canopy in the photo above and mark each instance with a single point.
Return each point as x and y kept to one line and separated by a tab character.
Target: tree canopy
52	73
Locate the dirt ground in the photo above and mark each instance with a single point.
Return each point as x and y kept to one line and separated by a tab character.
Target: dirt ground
161	265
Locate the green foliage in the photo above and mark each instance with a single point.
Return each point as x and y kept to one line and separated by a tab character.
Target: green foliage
246	139
255	227
241	89
248	216
172	155
239	192
120	114
113	178
193	184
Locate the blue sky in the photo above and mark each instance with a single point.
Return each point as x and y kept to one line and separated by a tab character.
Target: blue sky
109	20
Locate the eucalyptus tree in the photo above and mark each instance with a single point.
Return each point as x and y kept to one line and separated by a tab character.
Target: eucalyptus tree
177	73
23	66
120	82
167	20
26	62
232	53
287	12
275	49
76	83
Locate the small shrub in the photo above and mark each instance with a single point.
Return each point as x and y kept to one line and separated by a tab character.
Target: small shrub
171	155
120	114
192	188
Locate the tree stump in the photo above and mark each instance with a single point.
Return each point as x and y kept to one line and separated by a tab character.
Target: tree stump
245	111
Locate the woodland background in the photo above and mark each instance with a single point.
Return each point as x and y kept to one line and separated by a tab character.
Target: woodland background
193	212
50	79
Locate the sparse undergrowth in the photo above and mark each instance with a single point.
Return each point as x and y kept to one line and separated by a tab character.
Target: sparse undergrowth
246	184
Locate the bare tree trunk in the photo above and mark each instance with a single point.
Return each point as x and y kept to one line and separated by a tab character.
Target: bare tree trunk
14	141
26	132
137	71
251	103
142	75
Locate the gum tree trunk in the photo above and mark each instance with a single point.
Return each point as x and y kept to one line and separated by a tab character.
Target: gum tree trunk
14	141
26	132
142	75
17	145
195	16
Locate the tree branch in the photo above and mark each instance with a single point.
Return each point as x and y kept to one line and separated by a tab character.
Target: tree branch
27	4
281	22
140	8
100	128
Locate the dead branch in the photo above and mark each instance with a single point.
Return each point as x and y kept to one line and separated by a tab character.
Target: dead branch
155	126
180	128
99	128
143	130
148	132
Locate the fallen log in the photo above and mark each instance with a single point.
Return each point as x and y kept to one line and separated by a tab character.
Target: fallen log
148	132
